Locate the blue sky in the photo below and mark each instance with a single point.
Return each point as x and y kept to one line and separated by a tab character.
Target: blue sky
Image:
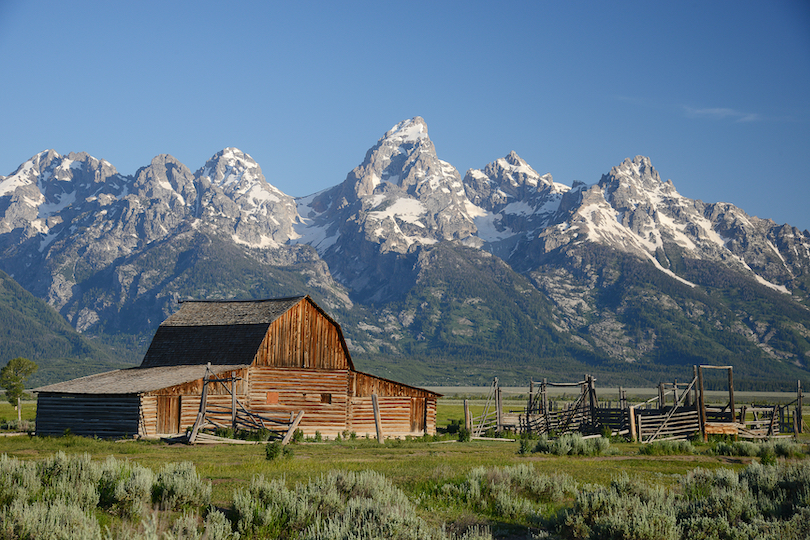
717	94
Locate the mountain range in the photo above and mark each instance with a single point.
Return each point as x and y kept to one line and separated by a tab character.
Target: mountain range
435	277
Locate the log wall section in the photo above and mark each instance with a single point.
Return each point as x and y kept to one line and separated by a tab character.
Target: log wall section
321	394
90	415
189	395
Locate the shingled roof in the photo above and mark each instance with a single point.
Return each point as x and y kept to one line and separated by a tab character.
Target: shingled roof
217	332
133	380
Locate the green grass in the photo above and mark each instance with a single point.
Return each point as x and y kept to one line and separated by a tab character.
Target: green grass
418	467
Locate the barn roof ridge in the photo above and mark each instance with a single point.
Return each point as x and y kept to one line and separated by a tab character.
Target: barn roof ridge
243	300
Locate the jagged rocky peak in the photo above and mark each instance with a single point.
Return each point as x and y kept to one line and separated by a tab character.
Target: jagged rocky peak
406	157
165	173
637	175
232	170
510	179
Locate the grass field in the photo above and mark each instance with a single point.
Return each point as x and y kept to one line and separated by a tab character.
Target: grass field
418	467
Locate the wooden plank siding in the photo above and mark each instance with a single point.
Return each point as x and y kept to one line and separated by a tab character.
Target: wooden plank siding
321	394
189	395
91	415
303	338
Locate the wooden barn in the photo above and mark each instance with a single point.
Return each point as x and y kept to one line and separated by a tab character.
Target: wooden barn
271	358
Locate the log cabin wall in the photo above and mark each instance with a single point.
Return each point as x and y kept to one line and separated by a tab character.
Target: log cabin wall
404	410
186	397
321	394
91	415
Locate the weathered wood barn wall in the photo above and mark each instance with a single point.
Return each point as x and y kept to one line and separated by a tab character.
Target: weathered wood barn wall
287	355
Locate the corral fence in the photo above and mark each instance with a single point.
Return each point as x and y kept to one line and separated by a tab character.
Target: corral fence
678	411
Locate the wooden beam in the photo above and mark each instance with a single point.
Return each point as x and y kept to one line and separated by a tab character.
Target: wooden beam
293	427
377	419
632	411
731	395
702	404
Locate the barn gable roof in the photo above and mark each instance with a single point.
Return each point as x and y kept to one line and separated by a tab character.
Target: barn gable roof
220	332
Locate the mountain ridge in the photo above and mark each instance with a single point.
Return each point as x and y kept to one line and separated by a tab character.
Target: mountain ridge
114	253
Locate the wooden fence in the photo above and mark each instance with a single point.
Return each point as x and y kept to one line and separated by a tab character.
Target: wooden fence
679	411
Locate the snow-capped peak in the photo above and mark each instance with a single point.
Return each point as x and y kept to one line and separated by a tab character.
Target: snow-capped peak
411	130
232	169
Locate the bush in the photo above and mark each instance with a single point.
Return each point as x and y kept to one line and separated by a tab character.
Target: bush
179	486
275	450
337	505
767	502
572	445
667	448
57	521
124	488
464	435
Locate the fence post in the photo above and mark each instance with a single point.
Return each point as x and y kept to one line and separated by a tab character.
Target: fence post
632	411
731	395
499	408
467	417
702	405
799	405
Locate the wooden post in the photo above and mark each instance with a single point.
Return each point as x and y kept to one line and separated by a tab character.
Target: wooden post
662	399
499	408
530	406
799	405
233	404
377	420
201	414
293	426
731	394
545	396
632	411
19	412
702	405
467	417
773	420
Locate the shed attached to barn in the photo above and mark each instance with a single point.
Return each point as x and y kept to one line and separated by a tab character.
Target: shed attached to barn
279	356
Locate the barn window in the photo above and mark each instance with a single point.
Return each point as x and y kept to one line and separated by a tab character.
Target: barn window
272	398
326	398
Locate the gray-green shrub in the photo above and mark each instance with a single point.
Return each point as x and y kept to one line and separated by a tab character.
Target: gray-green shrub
667	448
572	444
339	505
124	488
179	486
760	501
56	520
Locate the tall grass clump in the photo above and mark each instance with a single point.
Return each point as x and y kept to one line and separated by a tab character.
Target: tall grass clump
572	444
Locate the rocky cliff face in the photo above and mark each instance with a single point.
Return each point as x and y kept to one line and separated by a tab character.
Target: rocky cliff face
407	242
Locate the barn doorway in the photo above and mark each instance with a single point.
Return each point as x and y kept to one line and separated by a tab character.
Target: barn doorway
168	414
